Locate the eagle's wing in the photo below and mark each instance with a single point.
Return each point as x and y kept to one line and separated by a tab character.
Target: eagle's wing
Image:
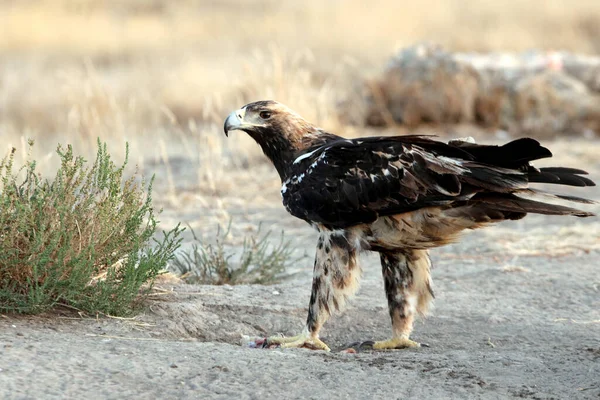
347	182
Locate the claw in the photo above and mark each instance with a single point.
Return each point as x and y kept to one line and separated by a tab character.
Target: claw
302	340
367	345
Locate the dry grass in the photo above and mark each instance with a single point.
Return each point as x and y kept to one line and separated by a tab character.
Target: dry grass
260	260
353	27
162	75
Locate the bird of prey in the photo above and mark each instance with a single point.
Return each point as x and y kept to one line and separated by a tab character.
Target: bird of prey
398	196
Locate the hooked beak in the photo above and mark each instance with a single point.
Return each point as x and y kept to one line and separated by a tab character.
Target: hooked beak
234	121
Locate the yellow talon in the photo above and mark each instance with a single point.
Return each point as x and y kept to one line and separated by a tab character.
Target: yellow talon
302	340
395	343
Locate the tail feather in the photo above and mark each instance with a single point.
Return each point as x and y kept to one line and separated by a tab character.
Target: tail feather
503	172
513	154
512	203
565	170
517	154
559	176
525	150
495	179
538	192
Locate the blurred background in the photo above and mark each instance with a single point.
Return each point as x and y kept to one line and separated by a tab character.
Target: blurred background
162	76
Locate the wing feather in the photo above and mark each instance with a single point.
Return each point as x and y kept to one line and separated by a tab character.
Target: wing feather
347	182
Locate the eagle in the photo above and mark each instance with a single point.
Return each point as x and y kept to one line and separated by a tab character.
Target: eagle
396	195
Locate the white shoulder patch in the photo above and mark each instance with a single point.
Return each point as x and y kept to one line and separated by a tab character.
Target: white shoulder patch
305	156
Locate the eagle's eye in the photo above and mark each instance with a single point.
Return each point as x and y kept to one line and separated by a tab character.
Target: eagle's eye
265	114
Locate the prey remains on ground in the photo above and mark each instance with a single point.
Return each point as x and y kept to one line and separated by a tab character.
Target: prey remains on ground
398	196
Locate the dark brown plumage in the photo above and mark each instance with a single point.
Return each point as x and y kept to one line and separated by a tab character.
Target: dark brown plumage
398	196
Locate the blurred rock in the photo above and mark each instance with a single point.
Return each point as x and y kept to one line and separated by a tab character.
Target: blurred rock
535	93
547	103
423	84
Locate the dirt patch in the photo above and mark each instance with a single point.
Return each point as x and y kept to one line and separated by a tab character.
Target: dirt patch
532	334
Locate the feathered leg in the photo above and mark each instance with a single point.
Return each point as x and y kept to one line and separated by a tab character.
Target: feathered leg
408	290
335	278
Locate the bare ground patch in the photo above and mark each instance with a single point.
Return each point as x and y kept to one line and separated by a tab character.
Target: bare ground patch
493	334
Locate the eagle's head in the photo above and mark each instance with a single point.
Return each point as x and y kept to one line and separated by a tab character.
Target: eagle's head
264	119
280	132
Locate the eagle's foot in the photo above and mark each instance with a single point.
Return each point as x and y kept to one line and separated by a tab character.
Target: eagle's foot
395	343
302	340
390	344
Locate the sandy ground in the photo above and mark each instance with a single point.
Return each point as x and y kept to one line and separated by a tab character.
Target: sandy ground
517	315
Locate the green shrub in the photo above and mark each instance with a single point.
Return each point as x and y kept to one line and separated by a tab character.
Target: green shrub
260	261
83	239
